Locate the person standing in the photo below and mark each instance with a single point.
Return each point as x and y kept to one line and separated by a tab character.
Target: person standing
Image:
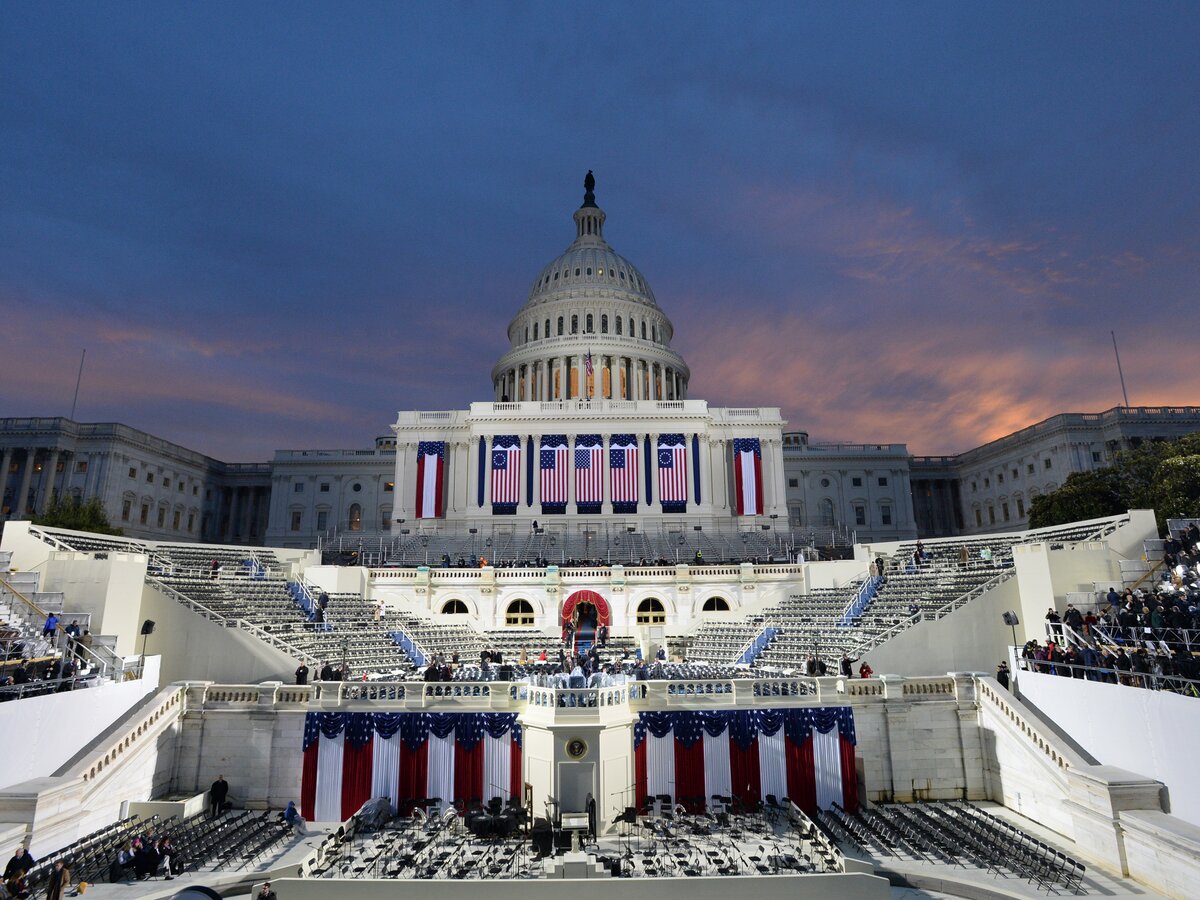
266	893
20	863
217	794
58	882
1002	675
302	673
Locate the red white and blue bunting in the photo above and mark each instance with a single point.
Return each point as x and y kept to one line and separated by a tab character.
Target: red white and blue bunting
350	758
806	755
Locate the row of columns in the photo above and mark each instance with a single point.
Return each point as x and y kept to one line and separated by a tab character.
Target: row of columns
241	514
22	505
614	378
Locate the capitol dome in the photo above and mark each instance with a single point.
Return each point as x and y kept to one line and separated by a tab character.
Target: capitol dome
590	302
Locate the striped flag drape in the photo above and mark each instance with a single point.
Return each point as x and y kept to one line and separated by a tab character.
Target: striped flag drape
623	472
553	473
747	476
349	758
431	463
806	755
672	473
589	473
506	474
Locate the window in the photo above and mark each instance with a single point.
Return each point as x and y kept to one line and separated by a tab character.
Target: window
883	482
885	514
195	490
149	478
632	330
1029	468
857	482
1000	478
354	518
126	509
1020	508
547	331
619	320
356	487
574	324
587	324
191	521
577	271
827	520
1048	463
974	487
860	514
716	604
793	482
175	520
824	482
162	517
1095	456
298	487
651	612
454	608
145	517
1016	474
324	487
991	515
322	520
133	471
978	519
1004	511
987	482
643	330
560	325
526	341
604	324
535	331
519	612
296	516
385	518
81	466
389	487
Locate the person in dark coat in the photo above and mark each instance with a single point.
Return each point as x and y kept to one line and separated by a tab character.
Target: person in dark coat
302	673
58	882
20	863
217	794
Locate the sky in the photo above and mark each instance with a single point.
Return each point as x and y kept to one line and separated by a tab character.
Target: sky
275	225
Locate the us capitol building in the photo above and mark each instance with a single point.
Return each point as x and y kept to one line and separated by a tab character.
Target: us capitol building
591	431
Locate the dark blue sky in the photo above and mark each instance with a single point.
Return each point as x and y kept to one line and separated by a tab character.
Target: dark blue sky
274	225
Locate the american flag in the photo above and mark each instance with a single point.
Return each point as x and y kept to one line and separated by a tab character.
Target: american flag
747	476
672	469
589	468
552	466
506	469
623	466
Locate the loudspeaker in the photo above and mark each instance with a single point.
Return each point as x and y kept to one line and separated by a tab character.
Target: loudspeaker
148	627
1010	618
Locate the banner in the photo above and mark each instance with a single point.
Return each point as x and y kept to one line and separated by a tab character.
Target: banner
672	473
506	474
623	472
553	473
589	473
431	467
747	476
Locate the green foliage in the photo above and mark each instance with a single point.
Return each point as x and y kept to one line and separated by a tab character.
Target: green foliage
76	516
1177	488
1156	475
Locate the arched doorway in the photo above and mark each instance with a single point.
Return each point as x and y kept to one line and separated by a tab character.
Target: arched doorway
583	615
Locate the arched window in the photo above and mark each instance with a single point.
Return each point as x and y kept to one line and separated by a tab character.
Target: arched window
651	612
454	608
587	325
519	613
604	324
574	324
827	513
547	331
716	604
354	519
643	329
619	322
560	324
535	331
526	335
654	333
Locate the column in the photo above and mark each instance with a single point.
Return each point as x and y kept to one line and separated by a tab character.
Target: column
5	465
708	448
718	481
46	485
670	391
21	503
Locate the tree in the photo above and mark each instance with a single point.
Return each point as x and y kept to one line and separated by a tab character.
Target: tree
1084	495
73	515
1176	488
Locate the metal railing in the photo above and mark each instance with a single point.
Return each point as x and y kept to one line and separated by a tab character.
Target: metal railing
1155	681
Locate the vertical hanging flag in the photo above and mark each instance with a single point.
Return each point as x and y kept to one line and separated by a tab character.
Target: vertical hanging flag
553	473
672	473
589	473
506	474
587	367
623	472
431	462
747	476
